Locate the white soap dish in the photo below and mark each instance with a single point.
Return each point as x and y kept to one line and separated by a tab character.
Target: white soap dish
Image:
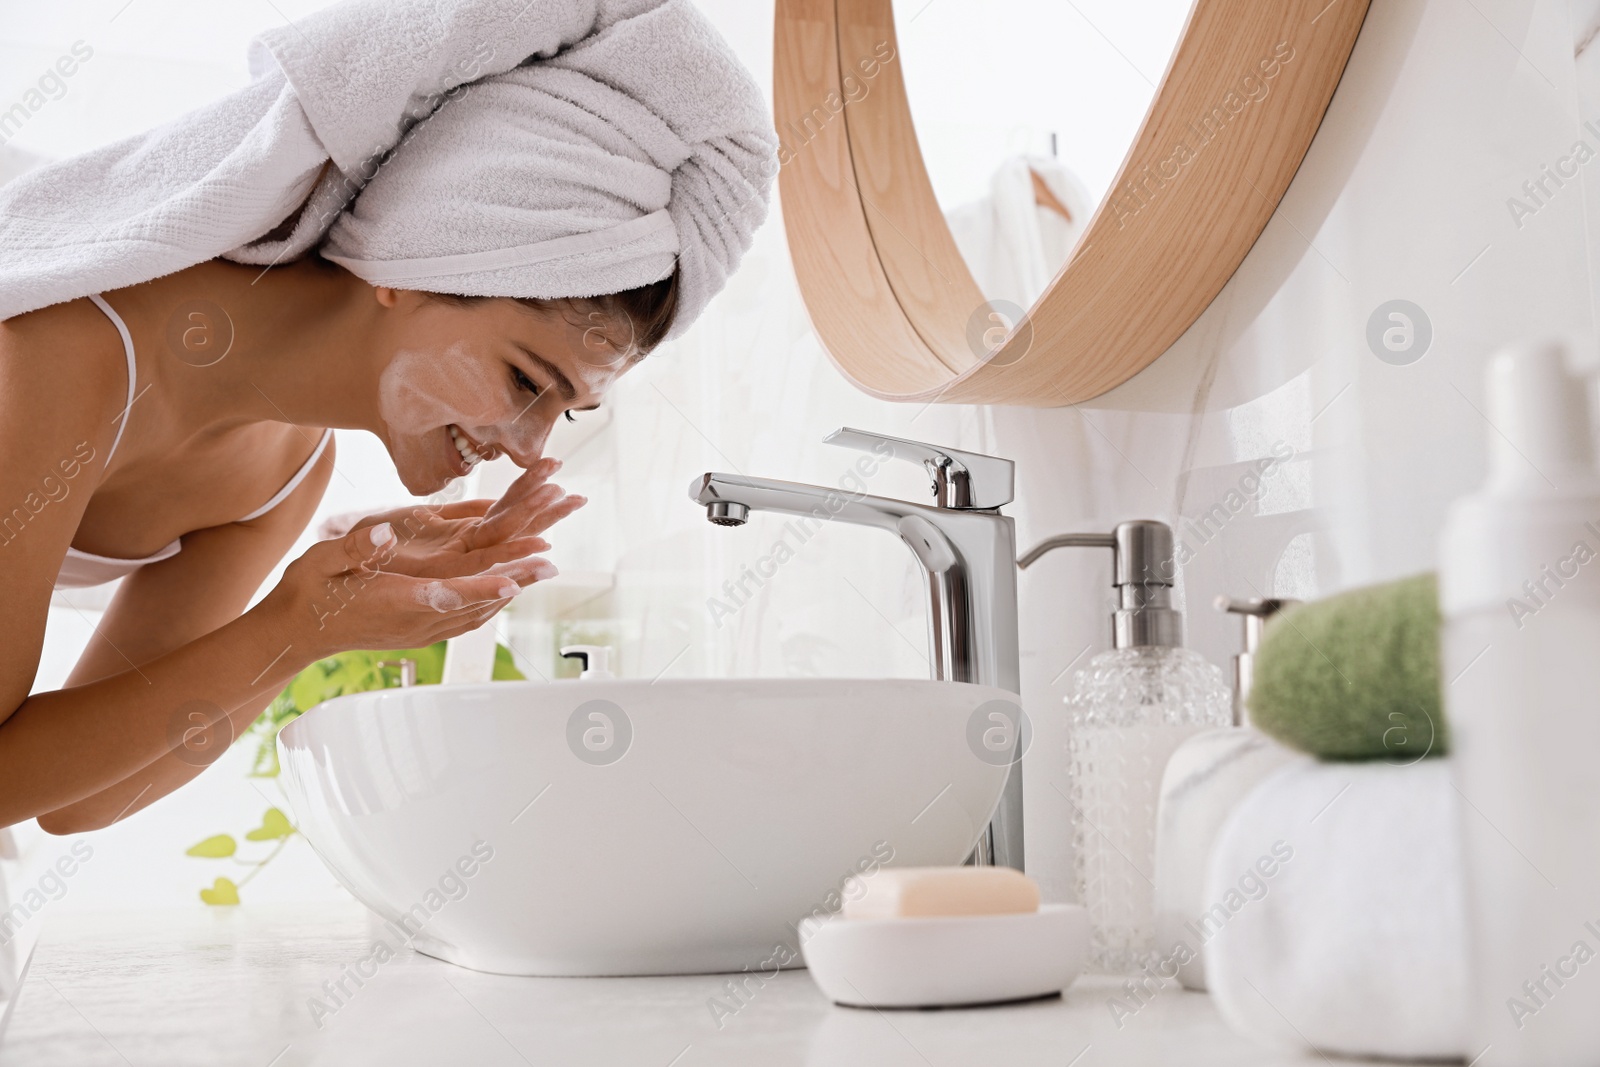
949	961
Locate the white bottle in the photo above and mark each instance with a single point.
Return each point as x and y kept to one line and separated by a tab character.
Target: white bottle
596	661
1204	782
1520	596
469	657
1131	708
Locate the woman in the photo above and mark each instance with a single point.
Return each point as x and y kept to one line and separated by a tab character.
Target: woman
446	226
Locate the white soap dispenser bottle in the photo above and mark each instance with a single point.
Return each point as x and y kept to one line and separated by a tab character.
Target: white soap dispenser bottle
1519	590
469	657
1204	782
1131	708
596	660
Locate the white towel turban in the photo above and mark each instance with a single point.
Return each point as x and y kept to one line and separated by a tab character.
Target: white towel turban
532	148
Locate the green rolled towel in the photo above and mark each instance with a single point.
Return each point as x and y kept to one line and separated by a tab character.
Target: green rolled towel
1355	676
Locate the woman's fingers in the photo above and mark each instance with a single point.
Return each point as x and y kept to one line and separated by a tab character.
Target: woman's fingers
365	549
462	509
509	517
515	496
517	548
447	595
528	481
540	511
492	583
525	571
363	590
455	540
463	623
415	519
477	598
471	616
451	562
520	498
554	513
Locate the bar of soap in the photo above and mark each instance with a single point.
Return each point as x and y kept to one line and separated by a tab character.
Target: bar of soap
920	892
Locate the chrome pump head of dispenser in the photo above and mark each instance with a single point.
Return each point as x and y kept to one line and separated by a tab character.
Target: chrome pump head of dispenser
1255	613
1144	570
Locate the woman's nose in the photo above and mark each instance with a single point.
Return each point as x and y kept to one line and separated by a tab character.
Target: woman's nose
525	445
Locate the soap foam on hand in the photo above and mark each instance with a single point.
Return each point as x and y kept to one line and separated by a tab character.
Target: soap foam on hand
915	892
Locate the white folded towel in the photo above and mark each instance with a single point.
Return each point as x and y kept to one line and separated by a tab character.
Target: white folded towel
1356	942
631	140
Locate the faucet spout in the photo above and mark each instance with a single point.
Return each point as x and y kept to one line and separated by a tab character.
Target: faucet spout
729	499
727	513
967	556
742	494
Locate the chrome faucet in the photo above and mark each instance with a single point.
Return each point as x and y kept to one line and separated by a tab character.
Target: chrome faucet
967	550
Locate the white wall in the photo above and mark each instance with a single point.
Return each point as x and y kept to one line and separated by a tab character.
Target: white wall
1446	109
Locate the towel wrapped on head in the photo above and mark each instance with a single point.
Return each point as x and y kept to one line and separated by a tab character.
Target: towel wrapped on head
524	148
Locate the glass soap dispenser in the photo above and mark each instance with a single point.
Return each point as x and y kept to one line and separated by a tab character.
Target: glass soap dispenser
1131	708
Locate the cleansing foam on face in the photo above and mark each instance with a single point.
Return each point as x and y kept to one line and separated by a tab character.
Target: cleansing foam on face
1520	596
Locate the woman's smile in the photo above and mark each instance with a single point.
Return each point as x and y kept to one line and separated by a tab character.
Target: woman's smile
465	453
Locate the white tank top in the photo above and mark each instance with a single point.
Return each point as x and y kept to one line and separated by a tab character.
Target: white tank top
81	569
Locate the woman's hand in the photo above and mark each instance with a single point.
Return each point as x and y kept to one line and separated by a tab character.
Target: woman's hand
447	540
412	576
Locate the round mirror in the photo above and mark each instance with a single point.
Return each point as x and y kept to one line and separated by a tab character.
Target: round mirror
1063	89
922	142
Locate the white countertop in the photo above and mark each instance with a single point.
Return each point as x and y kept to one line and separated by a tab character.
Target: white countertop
230	986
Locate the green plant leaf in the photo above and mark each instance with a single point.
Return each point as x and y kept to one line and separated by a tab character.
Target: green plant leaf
308	686
505	667
430	663
221	894
354	672
282	710
218	847
265	764
274	825
280	713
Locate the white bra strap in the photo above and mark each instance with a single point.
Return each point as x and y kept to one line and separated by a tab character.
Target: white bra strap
133	367
299	476
133	380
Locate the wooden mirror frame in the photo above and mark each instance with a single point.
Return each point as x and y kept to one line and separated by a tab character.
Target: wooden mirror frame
890	294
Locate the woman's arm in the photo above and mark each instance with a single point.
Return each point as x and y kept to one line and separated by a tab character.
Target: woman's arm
424	576
167	605
61	747
62	390
401	580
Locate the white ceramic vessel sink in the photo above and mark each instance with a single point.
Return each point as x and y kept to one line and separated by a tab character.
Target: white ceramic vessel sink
628	827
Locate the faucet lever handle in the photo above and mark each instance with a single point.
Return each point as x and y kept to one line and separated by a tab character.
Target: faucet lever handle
969	481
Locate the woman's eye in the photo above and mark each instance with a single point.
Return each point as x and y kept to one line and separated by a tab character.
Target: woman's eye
568	414
523	382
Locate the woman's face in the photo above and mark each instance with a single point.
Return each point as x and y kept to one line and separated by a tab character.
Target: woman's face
487	378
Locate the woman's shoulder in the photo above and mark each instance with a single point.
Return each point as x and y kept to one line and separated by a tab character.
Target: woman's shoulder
62	385
62	363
